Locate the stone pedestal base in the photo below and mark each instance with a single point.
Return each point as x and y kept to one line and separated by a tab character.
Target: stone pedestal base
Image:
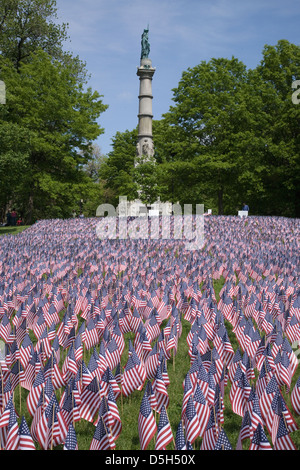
137	208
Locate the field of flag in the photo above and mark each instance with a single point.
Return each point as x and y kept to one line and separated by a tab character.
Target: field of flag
143	344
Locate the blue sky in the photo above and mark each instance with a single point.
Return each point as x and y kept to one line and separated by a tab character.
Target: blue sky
106	34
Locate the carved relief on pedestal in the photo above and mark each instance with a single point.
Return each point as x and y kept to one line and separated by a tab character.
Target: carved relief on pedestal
145	148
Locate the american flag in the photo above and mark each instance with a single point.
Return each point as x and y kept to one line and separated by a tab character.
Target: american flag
134	375
180	442
108	381
283	370
203	380
70	338
254	409
5	327
102	439
152	362
152	326
295	397
25	439
135	321
265	400
97	364
283	440
164	369
78	348
113	356
223	441
293	360
187	392
72	387
191	422
146	423
293	329
142	344
259	440
69	409
279	409
70	366
211	391
264	352
36	418
151	395
239	392
160	390
13	354
202	409
90	400
225	305
223	346
164	432
118	337
219	406
90	337
211	433
12	438
35	392
71	439
116	425
259	301
17	374
51	428
246	430
83	376
52	371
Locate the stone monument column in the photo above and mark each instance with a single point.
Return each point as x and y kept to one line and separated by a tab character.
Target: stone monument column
144	145
145	73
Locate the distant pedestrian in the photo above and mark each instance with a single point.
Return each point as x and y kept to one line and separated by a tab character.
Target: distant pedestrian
13	217
245	207
8	218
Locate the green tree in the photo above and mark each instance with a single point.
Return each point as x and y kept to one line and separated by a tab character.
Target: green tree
45	99
14	158
278	69
96	193
146	177
93	166
216	116
52	109
117	172
29	25
232	135
124	174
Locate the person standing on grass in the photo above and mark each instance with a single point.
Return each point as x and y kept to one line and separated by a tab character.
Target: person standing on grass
8	218
13	217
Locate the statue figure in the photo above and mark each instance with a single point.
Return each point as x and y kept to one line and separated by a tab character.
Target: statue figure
145	44
146	148
137	151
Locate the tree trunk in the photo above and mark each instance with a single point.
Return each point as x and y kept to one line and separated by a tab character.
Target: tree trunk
297	204
220	201
29	214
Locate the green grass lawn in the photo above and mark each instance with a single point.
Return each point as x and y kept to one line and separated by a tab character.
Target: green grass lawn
13	230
